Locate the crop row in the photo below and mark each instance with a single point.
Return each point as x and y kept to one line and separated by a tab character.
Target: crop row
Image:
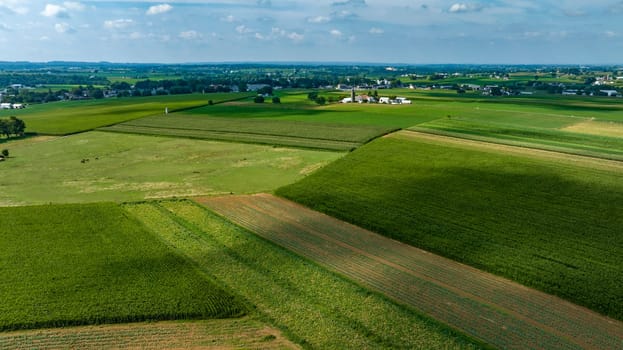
230	333
549	224
493	309
315	306
554	140
90	264
236	137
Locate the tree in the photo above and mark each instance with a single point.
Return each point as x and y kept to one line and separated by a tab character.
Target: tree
258	99
321	100
17	126
5	129
276	99
312	96
266	90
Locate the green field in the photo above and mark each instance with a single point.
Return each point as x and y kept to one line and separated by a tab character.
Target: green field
338	137
554	139
313	306
102	166
548	221
67	117
88	264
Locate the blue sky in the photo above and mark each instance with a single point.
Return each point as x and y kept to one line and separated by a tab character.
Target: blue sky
384	31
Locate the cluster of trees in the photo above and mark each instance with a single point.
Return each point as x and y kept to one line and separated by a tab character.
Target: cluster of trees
261	99
313	96
12	126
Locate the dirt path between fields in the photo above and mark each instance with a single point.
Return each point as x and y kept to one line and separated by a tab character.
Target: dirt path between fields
498	311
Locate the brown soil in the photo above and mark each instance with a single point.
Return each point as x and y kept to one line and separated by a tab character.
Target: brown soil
498	311
212	334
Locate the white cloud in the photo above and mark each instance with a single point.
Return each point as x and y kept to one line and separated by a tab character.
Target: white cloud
610	34
118	23
377	31
318	19
229	19
63	28
52	10
15	6
294	36
463	7
159	9
278	32
190	35
74	6
336	33
242	29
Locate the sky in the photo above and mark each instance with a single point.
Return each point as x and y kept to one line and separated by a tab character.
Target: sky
375	31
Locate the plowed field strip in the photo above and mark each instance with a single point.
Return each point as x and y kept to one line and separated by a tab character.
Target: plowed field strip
211	334
500	312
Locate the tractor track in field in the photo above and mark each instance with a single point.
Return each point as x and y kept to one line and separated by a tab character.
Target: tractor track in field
490	308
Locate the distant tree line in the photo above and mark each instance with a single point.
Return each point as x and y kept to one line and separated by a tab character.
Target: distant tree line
12	126
34	79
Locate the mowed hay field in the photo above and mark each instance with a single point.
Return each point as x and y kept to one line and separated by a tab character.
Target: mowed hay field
337	137
313	306
65	265
239	333
501	313
546	220
99	166
67	117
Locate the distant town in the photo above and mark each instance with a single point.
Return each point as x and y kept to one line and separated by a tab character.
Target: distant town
27	83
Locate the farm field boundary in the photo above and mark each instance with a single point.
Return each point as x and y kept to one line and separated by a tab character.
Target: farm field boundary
209	334
495	310
337	137
496	145
311	305
562	142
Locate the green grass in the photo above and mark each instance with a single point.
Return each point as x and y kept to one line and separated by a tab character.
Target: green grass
514	134
312	306
549	223
67	117
339	137
124	167
346	114
89	264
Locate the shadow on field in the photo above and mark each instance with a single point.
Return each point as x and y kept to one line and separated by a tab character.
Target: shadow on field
540	229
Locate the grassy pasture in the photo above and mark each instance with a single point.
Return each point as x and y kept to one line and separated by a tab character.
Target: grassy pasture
313	306
547	221
67	117
89	264
123	167
337	137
